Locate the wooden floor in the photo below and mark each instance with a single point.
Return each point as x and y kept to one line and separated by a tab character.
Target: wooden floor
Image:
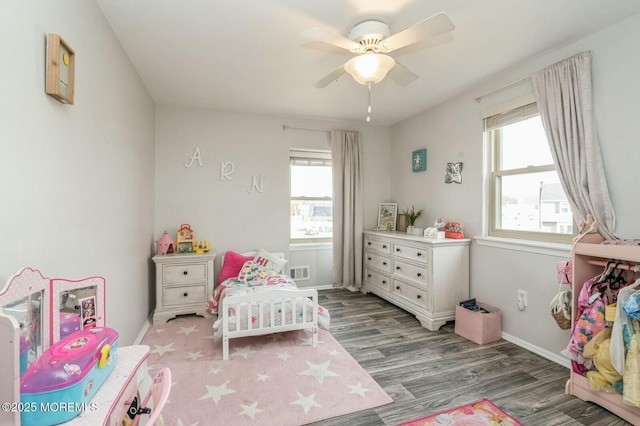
425	371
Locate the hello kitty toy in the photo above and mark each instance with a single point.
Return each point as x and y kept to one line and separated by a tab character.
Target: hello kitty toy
439	224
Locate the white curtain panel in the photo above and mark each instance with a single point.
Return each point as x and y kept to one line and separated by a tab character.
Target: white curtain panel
346	158
565	100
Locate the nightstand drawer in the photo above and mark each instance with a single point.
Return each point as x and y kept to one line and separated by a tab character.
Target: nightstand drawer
184	273
412	253
376	261
380	246
184	295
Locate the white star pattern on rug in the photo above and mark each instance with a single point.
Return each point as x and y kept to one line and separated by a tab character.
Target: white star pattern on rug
215	370
262	377
319	371
306	402
243	351
250	410
217	392
333	352
194	355
188	330
162	349
283	356
358	389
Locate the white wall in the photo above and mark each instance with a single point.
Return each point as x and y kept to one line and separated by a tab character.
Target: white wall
76	181
452	132
223	211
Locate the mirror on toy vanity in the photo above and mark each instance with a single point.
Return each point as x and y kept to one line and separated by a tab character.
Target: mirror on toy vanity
25	298
76	305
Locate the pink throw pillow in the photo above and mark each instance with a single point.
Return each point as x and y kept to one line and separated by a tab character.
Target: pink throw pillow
232	265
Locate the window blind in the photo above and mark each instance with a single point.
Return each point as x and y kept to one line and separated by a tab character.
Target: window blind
510	117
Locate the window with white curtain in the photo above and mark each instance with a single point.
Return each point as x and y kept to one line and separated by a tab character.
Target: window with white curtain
311	196
526	200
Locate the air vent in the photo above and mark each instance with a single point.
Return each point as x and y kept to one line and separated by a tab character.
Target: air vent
299	273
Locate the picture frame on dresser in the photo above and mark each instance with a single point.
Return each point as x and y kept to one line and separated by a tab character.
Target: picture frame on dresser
387	215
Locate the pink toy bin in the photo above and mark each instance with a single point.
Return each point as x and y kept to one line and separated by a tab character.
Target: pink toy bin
479	327
59	385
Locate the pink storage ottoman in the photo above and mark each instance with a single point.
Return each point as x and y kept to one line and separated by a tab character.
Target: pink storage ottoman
479	327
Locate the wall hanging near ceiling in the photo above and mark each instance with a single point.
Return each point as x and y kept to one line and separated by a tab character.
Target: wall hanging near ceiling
60	69
454	173
419	160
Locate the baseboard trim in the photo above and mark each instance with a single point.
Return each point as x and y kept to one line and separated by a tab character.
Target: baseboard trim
143	331
557	358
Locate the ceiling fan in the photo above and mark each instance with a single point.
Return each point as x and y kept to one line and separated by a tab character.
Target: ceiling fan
371	40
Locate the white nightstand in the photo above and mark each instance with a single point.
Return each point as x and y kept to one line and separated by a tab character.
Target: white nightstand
184	283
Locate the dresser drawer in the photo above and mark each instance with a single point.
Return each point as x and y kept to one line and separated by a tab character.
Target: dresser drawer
376	261
412	253
184	295
419	297
376	245
184	273
379	280
417	273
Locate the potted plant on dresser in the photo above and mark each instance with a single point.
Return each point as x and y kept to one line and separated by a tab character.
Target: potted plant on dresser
413	215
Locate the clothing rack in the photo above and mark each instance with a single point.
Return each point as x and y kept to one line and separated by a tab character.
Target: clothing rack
615	264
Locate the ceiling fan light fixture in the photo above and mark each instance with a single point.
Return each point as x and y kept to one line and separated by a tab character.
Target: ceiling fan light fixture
370	68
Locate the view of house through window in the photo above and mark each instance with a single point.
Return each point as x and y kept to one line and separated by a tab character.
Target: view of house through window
526	198
311	205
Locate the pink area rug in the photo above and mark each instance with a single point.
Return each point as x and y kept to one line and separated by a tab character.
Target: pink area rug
479	413
278	379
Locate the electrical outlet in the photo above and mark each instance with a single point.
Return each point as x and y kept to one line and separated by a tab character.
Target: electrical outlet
522	299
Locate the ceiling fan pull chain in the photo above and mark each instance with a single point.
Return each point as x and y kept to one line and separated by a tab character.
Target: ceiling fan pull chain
369	109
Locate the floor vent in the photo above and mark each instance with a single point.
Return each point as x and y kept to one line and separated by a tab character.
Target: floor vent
299	273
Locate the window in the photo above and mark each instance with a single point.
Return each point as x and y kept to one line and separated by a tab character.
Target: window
526	200
311	192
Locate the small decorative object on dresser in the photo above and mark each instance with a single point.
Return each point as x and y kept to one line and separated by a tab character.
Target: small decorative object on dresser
165	245
426	277
184	283
184	240
413	215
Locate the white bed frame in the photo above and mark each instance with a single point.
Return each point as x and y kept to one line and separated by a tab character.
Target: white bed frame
285	299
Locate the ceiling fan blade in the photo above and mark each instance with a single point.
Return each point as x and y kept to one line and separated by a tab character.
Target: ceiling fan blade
402	75
334	39
431	27
333	76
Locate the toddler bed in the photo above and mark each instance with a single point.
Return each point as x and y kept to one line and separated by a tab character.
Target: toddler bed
254	297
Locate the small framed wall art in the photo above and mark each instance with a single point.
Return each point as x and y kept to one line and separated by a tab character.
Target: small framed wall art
60	69
419	160
387	216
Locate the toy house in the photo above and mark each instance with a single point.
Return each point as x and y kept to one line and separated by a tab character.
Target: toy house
184	242
165	245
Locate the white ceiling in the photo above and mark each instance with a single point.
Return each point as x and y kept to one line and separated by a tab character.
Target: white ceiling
250	55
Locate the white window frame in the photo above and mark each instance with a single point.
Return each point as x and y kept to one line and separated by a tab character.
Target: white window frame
310	154
494	173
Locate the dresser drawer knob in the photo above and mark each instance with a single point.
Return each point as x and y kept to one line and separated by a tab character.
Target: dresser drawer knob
384	281
384	246
397	287
368	243
368	275
419	296
185	272
419	254
185	294
419	274
384	263
397	249
368	258
397	268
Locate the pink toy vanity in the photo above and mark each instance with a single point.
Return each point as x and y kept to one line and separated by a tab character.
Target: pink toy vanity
64	365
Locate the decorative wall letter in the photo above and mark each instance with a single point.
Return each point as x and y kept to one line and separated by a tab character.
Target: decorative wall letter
254	184
194	157
226	170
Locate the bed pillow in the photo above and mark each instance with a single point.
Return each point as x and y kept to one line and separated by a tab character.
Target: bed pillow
270	262
251	271
232	264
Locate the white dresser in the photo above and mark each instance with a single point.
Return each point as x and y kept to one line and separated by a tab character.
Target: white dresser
184	283
424	276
